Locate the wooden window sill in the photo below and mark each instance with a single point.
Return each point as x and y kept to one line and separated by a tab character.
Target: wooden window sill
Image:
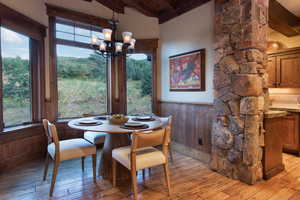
20	132
20	127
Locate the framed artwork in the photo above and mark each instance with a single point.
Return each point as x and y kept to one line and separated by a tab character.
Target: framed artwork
187	71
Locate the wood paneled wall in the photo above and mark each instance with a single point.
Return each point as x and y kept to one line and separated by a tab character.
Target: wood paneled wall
29	143
19	146
191	124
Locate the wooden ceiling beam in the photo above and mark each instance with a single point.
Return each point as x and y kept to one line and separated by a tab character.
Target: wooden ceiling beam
169	4
139	6
116	5
282	20
182	7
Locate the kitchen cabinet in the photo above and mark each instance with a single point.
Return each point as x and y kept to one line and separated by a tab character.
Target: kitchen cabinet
290	133
284	68
271	70
272	150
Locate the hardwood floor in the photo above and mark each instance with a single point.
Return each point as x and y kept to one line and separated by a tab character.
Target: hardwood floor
190	179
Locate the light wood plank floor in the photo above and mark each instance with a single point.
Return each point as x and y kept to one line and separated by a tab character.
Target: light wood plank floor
191	180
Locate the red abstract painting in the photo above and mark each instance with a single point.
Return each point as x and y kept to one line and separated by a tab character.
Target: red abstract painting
187	71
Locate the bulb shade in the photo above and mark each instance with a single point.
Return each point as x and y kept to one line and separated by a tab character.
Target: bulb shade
102	46
127	36
119	46
132	44
107	34
94	40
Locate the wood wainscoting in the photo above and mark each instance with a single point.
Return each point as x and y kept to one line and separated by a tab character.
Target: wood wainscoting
27	143
192	124
21	145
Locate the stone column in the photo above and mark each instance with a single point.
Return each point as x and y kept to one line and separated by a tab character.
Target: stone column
240	88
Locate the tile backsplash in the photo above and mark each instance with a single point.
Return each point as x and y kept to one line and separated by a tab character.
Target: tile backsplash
284	96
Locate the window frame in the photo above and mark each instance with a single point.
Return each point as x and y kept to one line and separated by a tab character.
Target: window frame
149	47
53	42
36	32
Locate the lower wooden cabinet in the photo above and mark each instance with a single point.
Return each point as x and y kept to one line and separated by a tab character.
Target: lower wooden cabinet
272	151
290	133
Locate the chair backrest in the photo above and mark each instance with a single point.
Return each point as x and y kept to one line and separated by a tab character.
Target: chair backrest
51	133
149	139
167	123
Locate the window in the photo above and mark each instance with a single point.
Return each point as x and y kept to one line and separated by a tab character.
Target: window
139	84
81	73
16	75
76	31
81	77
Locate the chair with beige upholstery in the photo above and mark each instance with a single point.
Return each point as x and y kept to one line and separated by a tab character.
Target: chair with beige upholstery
95	138
142	154
167	122
65	150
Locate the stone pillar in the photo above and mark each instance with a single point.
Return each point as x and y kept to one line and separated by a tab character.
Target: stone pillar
240	88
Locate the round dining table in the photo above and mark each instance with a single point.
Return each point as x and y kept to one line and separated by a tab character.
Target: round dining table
116	137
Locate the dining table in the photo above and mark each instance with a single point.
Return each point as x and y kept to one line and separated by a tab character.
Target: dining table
117	136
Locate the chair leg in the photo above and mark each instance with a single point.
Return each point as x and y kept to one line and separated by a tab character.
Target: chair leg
114	172
134	184
54	174
82	163
171	153
94	158
46	167
167	177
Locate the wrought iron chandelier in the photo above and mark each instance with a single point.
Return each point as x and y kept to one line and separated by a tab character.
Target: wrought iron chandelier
108	46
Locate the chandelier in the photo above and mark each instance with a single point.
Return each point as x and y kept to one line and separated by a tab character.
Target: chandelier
108	46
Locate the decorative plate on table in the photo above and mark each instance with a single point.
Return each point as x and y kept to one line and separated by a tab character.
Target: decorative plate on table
143	118
134	125
88	122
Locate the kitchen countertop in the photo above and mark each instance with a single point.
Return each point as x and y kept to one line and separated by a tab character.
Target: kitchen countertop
286	107
275	113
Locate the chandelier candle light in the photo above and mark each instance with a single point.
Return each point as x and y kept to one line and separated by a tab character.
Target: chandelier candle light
109	46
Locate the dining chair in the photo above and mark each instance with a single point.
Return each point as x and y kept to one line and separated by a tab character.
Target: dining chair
142	154
63	150
95	138
167	122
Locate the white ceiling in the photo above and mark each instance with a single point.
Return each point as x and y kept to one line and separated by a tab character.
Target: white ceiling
292	5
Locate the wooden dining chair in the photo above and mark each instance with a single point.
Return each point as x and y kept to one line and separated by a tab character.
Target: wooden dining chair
142	154
65	150
167	123
95	138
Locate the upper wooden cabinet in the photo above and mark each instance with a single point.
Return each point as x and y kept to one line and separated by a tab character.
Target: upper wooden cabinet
284	68
271	70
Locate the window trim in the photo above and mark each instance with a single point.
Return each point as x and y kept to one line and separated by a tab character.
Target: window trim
22	24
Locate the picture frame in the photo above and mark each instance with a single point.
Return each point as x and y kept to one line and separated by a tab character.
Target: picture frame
187	71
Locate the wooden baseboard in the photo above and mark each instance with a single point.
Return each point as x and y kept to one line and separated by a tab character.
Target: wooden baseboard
194	153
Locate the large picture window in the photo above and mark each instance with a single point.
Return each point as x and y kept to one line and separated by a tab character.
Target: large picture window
16	77
81	73
81	77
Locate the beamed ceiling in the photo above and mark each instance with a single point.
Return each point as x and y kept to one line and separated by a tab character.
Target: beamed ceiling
280	18
164	10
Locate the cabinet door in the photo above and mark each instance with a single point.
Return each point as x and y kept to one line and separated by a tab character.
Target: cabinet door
290	132
271	70
289	70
